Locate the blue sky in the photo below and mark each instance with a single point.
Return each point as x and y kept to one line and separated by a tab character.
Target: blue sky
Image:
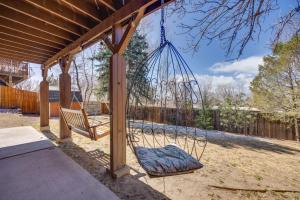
210	61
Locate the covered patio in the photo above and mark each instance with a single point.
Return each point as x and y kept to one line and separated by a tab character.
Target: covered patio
33	168
52	32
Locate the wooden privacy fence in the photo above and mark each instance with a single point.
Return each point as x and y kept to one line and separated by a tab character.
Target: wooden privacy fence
260	126
11	98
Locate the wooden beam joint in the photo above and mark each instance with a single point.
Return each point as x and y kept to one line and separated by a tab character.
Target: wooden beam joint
129	31
44	70
65	63
108	42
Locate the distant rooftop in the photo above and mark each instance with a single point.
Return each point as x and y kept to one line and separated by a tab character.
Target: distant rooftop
54	95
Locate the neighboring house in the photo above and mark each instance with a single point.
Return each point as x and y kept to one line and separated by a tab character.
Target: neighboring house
54	100
13	72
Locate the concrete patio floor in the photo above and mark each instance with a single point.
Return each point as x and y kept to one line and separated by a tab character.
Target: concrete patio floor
32	168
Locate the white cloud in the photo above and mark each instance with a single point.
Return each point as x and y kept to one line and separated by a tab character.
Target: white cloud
241	80
236	73
247	65
215	80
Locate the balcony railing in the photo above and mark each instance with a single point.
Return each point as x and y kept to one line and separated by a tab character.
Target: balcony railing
14	67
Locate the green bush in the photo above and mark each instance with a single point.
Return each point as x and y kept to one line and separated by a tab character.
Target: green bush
204	119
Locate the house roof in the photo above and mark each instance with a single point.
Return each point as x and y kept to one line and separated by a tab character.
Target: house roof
54	96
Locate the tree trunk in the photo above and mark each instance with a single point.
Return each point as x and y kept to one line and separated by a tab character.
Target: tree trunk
296	128
77	77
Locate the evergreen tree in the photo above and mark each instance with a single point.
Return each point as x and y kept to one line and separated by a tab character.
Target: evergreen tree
103	57
135	54
276	88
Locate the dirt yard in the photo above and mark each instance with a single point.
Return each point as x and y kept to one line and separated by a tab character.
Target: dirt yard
229	161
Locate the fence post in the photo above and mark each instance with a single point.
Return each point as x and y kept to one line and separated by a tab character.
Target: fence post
216	120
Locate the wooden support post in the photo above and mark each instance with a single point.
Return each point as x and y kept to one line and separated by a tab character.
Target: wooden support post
118	118
118	95
64	94
44	101
117	104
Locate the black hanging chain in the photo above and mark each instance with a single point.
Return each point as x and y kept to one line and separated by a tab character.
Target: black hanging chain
162	25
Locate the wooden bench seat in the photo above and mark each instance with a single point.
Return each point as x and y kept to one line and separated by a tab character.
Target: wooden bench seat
78	121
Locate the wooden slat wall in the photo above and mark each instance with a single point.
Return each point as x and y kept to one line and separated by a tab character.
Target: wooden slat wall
27	101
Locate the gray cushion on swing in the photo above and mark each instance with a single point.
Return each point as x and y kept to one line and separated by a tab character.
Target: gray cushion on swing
165	161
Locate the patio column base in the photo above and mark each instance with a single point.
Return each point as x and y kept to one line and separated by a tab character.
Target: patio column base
65	140
120	172
45	128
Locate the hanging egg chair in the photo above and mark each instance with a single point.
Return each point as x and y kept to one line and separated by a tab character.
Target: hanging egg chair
162	113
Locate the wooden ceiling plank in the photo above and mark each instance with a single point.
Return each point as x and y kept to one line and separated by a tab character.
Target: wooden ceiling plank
16	54
34	43
65	13
25	50
24	46
20	57
35	24
29	37
23	53
123	13
85	8
109	4
119	16
27	43
32	12
34	32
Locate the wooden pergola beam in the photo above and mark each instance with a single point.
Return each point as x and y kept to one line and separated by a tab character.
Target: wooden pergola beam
12	25
20	57
35	24
24	46
84	8
34	13
18	52
26	50
122	14
109	4
29	37
108	42
23	41
54	8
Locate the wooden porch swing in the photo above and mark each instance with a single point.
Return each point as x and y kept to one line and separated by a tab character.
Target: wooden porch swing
78	121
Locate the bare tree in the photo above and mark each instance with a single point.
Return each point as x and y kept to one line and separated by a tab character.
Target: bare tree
84	73
234	22
29	85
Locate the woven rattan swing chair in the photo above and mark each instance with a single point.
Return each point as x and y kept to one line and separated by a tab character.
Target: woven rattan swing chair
161	116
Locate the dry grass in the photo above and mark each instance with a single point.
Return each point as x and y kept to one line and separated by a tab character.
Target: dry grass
230	160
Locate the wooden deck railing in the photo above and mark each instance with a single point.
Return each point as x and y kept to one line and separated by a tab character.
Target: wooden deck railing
14	67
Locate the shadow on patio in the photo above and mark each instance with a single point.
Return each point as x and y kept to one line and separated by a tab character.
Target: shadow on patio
96	162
